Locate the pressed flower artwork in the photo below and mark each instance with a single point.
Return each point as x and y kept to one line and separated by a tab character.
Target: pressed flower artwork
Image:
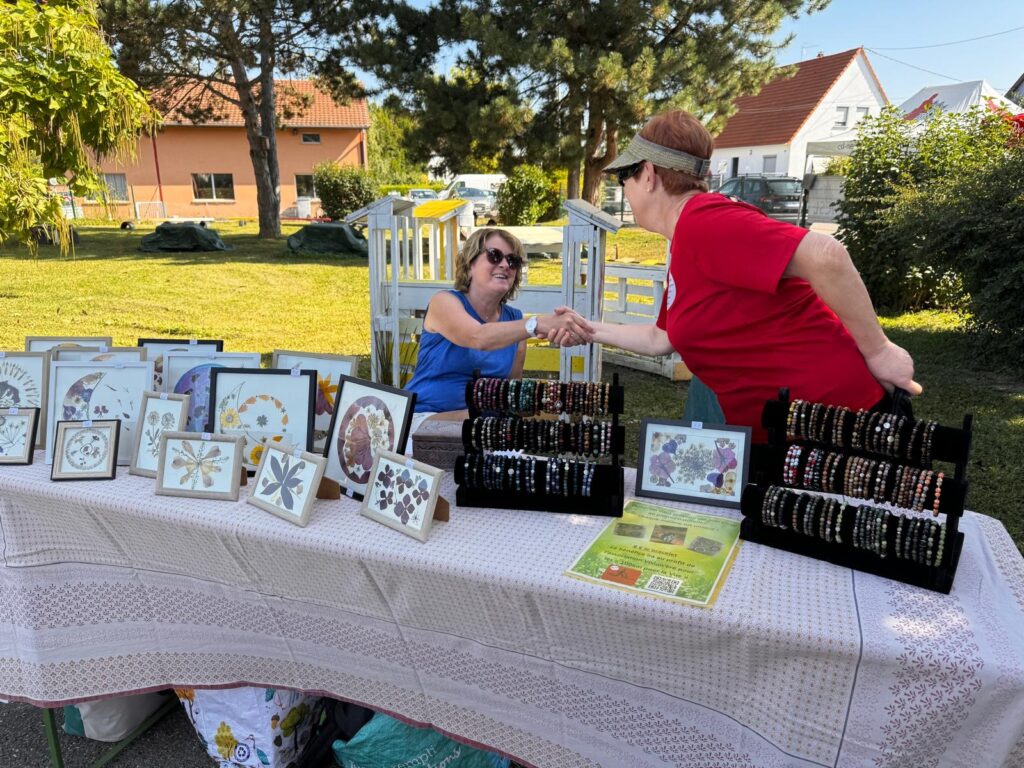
329	370
194	464
190	373
680	460
21	382
160	412
18	430
85	450
286	481
402	494
156	349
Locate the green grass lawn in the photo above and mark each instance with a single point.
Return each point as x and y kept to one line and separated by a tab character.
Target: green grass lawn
257	297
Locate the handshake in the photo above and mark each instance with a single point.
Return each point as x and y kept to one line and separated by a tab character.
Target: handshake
565	328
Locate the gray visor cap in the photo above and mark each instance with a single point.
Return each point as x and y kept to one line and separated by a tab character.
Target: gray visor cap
640	149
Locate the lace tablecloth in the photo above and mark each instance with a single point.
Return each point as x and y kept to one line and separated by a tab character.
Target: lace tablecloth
107	588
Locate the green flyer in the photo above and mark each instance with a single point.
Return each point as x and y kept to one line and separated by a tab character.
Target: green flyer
662	552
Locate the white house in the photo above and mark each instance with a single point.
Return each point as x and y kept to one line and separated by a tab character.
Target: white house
826	97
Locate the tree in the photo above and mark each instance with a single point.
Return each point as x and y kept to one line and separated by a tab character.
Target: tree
63	105
576	77
233	51
387	146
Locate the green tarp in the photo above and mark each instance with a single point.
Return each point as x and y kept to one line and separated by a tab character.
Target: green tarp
328	238
183	237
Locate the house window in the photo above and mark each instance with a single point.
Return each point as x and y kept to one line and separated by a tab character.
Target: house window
842	116
304	186
116	189
213	186
768	164
311	138
862	112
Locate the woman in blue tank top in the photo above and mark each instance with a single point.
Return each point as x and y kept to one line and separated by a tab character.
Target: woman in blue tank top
473	327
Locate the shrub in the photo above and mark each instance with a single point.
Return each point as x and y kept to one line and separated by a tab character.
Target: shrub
524	196
343	189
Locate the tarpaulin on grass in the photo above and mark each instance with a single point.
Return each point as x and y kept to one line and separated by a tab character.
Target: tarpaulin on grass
183	237
320	237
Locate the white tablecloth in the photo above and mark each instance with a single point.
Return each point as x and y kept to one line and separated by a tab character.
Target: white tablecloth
107	588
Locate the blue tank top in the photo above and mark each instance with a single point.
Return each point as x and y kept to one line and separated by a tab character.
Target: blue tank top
443	369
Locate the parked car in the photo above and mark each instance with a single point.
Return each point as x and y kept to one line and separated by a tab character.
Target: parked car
485	203
422	194
778	196
489	182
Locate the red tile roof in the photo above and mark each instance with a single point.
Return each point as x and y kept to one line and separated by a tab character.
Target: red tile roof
300	104
779	111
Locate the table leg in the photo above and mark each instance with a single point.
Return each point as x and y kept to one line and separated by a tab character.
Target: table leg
52	738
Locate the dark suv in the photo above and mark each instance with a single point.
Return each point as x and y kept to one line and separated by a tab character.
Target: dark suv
778	196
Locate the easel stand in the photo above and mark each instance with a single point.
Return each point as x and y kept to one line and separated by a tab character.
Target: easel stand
606	491
949	444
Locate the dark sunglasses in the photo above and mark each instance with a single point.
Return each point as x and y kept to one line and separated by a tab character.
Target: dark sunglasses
496	257
625	174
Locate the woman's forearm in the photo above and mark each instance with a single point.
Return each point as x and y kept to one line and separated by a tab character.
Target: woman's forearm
644	339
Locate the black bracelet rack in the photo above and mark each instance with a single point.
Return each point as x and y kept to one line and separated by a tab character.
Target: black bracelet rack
788	523
557	471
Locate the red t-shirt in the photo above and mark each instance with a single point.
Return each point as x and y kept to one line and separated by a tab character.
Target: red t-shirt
742	328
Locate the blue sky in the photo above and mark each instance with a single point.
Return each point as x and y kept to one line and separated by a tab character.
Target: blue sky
887	24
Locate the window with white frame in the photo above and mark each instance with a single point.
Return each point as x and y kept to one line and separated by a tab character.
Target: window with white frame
768	164
842	116
115	189
213	186
311	138
304	186
862	112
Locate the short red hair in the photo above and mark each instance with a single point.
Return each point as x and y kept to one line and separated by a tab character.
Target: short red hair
680	130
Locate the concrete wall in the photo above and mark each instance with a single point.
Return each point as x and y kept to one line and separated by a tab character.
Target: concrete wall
826	191
180	151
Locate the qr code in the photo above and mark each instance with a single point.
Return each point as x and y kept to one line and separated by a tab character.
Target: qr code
663	584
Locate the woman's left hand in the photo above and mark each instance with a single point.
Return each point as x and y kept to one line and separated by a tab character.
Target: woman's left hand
893	367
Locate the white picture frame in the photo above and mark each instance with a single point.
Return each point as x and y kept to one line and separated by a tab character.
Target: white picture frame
46	343
85	450
286	482
329	370
263	406
116	388
402	494
24	383
99	354
19	429
199	465
693	461
369	418
188	373
157	348
159	413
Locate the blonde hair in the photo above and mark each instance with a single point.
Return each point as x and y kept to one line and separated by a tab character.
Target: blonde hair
474	246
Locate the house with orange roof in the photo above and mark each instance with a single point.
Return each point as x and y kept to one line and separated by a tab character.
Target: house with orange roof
201	168
769	132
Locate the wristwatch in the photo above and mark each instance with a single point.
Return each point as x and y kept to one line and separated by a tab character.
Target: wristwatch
531	326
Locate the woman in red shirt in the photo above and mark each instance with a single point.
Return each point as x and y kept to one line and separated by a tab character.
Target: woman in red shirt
751	304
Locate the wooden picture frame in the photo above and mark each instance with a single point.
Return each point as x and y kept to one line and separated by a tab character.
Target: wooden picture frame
189	373
80	390
157	348
287	481
99	354
19	428
25	383
158	413
693	461
329	370
85	450
368	418
262	405
46	343
402	494
199	465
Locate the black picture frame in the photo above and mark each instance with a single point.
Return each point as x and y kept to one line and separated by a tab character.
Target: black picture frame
215	427
31	434
109	471
664	488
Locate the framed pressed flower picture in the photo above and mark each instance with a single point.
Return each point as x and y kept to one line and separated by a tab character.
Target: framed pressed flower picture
368	418
329	370
81	390
85	450
156	349
23	384
286	482
46	343
264	406
126	354
199	465
189	373
402	494
18	430
159	413
692	461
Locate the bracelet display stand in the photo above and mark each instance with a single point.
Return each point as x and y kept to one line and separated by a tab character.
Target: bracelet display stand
549	476
792	525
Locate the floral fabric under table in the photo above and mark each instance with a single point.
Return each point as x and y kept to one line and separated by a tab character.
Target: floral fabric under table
106	588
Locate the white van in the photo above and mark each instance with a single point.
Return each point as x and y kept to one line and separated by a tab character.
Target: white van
486	181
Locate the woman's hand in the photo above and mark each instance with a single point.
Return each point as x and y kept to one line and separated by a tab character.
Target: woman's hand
893	367
565	328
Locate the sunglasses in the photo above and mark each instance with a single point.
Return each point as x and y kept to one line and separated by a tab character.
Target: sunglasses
625	174
496	257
